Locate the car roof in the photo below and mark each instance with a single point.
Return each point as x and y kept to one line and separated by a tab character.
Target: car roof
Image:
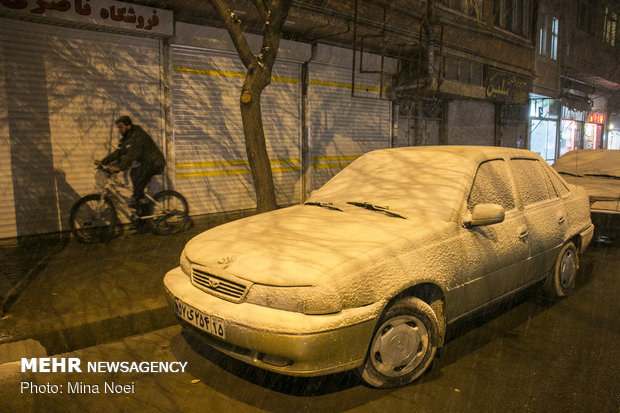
471	152
590	162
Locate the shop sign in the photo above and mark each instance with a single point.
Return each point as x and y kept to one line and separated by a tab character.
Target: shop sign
107	13
596	117
506	86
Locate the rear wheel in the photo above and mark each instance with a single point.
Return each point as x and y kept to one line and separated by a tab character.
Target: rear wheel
561	279
403	345
93	219
169	213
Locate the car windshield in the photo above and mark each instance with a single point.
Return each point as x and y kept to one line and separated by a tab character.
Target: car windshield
599	162
415	182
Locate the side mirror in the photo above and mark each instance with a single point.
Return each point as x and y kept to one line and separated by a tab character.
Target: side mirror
484	214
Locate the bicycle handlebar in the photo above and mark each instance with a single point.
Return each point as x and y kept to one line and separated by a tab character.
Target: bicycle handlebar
106	169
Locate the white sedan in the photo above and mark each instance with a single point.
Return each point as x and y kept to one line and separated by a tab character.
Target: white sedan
368	273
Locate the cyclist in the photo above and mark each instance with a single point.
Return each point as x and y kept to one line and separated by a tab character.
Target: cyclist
137	149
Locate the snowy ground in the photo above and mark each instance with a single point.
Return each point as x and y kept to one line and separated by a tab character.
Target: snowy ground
523	355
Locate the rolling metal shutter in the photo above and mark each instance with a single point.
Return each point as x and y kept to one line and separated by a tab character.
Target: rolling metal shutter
64	89
211	162
7	204
343	127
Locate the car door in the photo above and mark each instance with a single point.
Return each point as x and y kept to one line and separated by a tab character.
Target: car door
545	214
497	254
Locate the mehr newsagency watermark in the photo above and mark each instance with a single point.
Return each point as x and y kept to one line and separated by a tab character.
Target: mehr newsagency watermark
75	365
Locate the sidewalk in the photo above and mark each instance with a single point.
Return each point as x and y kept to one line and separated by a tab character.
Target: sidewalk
79	295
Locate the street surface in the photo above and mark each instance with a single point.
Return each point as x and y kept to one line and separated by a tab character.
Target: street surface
524	355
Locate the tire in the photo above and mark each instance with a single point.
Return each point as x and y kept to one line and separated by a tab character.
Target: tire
561	279
408	325
93	219
170	213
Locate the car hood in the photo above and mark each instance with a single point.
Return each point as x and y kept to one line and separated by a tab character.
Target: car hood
305	245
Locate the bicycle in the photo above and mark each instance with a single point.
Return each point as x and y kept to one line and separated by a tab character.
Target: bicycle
95	217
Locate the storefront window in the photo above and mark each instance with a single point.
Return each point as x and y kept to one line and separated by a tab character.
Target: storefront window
543	127
569	135
544	108
613	140
592	136
543	138
593	132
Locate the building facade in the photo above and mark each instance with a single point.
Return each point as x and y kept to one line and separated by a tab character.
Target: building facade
350	77
574	102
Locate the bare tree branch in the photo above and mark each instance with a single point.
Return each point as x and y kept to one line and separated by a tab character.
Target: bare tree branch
262	9
232	24
272	31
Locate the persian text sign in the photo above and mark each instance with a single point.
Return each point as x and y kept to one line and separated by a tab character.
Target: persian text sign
106	13
506	87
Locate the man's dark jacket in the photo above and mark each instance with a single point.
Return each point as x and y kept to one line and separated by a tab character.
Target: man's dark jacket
136	145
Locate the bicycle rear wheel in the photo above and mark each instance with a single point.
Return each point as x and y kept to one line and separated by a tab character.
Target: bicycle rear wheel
93	219
169	214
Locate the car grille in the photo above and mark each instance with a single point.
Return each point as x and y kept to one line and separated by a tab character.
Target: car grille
219	286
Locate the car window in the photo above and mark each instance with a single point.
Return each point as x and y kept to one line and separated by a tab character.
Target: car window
492	186
550	188
530	181
559	186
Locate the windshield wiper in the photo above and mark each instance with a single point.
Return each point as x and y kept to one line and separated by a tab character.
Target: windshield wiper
328	205
379	208
603	176
571	174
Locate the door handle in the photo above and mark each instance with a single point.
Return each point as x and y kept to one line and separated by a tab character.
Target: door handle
523	232
561	219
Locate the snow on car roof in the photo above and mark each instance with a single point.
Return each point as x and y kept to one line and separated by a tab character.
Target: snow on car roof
590	162
426	180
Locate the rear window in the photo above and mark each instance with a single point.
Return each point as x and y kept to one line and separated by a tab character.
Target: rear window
530	181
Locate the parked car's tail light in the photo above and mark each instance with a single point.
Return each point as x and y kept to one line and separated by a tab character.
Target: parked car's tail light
186	265
308	300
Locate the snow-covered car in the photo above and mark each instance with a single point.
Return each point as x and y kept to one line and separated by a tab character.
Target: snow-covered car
598	171
368	273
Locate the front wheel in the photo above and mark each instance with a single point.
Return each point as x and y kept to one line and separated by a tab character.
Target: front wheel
561	279
93	219
169	213
403	345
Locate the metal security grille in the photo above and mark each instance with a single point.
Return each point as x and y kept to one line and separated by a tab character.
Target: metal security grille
219	286
212	170
62	89
343	127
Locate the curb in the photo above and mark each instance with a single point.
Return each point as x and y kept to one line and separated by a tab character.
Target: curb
100	332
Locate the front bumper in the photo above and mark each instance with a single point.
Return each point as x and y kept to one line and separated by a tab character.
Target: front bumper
282	341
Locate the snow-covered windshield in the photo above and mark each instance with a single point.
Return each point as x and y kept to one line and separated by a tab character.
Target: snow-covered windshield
598	162
413	182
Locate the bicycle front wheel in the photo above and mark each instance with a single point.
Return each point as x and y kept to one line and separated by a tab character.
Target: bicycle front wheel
169	214
93	219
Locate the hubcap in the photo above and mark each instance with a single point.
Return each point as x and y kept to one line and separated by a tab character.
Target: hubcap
399	346
568	268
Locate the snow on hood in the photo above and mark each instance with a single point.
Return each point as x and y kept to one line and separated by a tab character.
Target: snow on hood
304	245
590	162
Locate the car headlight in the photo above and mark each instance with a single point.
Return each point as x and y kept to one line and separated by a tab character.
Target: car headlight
186	265
308	300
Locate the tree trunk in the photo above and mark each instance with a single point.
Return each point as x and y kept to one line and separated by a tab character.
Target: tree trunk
273	14
255	145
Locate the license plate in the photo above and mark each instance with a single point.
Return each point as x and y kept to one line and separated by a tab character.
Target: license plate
198	319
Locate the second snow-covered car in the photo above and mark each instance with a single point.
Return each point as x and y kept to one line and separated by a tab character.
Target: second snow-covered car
369	271
598	172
